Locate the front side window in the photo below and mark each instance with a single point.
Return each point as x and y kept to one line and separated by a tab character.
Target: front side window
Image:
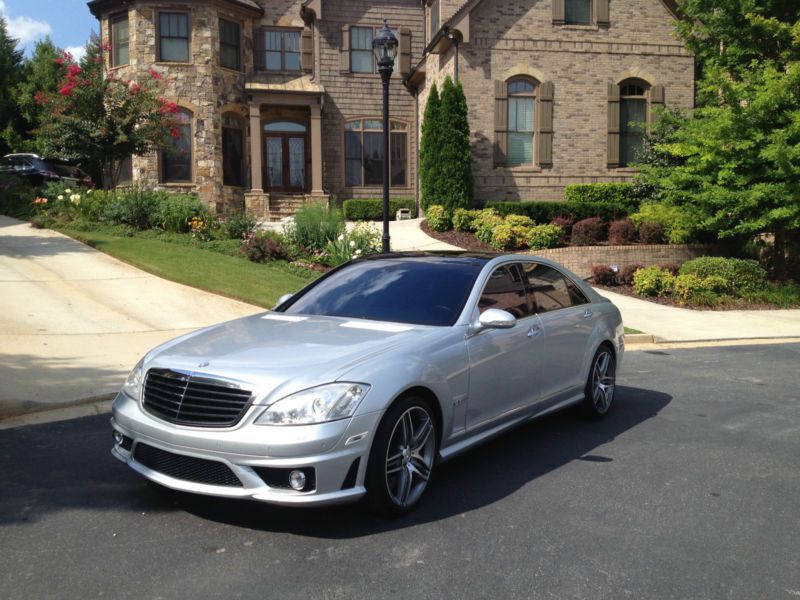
176	161
232	151
521	98
429	291
548	289
363	149
230	50
281	50
173	37
361	57
578	12
632	121
504	290
120	40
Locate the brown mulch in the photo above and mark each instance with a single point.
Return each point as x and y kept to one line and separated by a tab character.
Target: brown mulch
462	239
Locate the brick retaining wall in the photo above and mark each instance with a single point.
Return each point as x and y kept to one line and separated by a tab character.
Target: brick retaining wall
579	259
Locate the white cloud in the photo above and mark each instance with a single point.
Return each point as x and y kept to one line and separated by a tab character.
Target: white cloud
25	29
77	52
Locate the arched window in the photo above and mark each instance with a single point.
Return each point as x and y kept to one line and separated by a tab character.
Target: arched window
232	150
176	161
363	150
521	101
633	95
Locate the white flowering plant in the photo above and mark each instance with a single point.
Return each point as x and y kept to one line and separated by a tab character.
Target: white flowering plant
361	241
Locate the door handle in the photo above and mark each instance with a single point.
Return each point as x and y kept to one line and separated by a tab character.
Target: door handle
588	314
534	331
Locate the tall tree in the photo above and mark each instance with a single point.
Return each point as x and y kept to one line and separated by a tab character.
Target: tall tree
41	75
736	159
99	119
454	160
10	75
429	150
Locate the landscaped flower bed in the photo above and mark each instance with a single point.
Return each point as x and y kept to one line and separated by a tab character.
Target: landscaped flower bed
706	282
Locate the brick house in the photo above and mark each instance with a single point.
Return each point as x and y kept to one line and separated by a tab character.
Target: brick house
281	103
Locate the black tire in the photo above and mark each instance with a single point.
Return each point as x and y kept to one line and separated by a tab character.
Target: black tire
398	472
598	395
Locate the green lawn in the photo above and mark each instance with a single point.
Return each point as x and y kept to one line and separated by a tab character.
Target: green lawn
259	284
631	330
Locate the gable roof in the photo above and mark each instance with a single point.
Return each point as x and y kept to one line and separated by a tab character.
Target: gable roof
96	7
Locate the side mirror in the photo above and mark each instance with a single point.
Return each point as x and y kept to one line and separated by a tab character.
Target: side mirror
494	318
283	299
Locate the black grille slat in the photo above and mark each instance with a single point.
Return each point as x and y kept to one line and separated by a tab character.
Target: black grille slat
187	468
189	396
178	398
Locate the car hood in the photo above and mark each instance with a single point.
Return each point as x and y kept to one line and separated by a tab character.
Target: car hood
278	354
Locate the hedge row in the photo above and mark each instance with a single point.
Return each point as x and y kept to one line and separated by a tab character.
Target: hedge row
371	209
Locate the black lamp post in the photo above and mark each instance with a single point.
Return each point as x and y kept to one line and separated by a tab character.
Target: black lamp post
385	48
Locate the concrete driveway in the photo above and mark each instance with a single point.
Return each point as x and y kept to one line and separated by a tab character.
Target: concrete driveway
73	321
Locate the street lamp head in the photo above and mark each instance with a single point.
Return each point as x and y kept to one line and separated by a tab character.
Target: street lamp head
384	45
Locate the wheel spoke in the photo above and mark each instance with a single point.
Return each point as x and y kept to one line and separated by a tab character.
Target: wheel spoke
404	486
419	468
421	436
394	463
602	364
408	429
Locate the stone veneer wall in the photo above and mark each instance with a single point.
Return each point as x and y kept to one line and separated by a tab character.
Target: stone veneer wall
201	86
520	38
579	259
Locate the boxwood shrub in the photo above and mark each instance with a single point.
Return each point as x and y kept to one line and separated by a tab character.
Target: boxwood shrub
740	276
546	211
371	209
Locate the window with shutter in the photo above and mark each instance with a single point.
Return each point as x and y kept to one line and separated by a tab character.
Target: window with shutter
521	95
344	53
404	50
613	125
544	121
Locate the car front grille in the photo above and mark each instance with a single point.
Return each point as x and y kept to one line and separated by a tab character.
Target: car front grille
187	468
191	400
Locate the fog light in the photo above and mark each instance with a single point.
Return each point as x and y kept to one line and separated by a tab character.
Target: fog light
297	479
117	438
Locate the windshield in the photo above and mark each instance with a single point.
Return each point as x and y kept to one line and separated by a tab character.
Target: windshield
420	291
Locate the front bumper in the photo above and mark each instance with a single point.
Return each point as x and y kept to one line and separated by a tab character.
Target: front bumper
336	451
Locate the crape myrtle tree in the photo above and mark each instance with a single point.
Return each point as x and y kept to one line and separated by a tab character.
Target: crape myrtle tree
455	187
429	150
96	118
736	159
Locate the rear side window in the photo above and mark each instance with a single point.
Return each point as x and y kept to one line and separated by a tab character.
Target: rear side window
548	289
504	290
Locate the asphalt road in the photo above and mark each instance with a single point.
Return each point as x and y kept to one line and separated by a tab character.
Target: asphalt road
689	489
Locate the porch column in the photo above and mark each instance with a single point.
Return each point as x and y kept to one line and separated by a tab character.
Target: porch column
256	173
316	150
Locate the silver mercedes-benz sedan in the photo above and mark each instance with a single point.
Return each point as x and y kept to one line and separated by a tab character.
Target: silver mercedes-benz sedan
364	381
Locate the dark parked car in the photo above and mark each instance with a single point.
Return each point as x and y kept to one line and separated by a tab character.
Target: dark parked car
38	171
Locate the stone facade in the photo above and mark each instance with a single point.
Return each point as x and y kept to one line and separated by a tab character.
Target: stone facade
503	39
497	38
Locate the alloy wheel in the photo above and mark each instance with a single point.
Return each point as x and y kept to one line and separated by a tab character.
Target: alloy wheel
409	456
603	381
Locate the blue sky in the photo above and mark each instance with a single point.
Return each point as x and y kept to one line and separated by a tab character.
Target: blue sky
68	22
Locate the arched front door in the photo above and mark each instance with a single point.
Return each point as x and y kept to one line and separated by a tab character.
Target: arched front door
285	157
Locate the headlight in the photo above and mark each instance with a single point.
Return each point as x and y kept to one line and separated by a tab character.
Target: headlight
315	405
133	384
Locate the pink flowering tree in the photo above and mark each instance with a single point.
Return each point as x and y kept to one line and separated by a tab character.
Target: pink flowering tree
99	119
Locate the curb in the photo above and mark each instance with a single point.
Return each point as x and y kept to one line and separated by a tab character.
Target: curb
634	339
